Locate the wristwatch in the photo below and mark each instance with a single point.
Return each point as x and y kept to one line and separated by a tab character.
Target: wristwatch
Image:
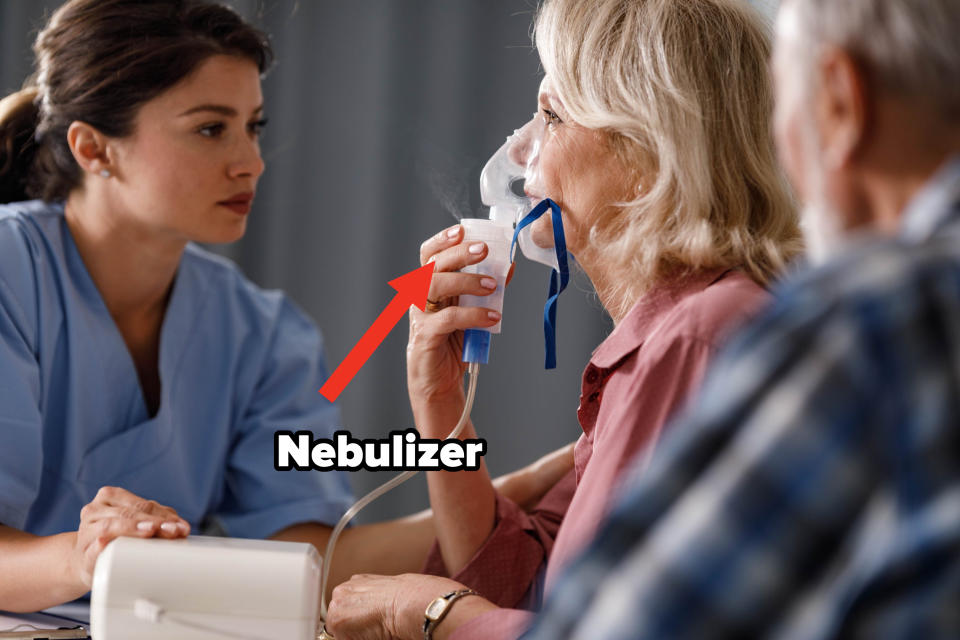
438	609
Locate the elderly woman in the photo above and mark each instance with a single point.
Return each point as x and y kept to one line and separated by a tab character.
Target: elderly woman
652	135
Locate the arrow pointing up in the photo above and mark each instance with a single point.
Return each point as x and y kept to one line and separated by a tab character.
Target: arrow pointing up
412	289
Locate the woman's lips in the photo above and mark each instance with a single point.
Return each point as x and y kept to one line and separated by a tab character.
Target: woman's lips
239	204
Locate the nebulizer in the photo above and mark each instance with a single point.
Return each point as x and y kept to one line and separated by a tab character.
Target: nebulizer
511	214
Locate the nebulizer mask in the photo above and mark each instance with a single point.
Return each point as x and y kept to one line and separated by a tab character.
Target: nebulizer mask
511	214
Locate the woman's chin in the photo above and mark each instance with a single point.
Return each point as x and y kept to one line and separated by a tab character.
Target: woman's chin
541	232
222	235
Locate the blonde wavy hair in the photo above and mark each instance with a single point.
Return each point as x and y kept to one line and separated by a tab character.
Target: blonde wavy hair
681	90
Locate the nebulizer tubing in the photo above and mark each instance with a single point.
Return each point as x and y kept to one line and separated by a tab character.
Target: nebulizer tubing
473	370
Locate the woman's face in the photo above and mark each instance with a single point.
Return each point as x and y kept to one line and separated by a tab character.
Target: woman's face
572	165
191	166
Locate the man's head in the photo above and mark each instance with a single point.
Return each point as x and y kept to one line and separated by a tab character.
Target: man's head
868	106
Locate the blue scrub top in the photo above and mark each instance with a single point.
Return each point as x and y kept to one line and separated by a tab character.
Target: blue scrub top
236	364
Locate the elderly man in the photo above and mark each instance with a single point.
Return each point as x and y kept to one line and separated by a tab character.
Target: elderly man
813	491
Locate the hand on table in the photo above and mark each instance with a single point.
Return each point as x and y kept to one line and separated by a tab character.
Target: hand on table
370	607
115	512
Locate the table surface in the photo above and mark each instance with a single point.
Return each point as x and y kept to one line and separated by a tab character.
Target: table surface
65	615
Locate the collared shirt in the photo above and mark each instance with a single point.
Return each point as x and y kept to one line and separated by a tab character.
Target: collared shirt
642	373
813	490
236	364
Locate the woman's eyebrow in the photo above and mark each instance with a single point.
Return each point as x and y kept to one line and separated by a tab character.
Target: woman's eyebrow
548	99
220	109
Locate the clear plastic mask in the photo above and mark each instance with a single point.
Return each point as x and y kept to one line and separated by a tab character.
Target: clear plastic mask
501	186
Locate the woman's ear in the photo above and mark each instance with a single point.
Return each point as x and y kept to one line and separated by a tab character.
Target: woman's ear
90	148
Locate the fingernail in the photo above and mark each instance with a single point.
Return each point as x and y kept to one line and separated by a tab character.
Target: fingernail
488	283
184	527
169	527
476	248
454	232
146	525
493	315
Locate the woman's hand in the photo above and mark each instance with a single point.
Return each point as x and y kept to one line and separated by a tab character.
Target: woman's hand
434	367
369	607
115	512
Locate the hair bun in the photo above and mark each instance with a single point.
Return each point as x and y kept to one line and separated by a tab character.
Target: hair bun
19	114
15	102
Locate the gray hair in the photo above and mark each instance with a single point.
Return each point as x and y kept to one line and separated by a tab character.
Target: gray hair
910	48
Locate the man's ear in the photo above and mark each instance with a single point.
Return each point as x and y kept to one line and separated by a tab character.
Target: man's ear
843	107
90	148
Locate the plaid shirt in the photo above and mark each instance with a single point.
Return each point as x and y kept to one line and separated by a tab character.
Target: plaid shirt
813	490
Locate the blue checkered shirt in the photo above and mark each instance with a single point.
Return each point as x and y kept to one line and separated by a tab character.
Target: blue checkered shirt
813	489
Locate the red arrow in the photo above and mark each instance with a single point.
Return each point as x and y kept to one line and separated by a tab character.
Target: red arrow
412	289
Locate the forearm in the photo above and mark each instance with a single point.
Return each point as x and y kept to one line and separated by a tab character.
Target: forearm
464	506
528	485
463	502
35	571
386	548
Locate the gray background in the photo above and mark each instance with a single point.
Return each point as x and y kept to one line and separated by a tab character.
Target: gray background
382	113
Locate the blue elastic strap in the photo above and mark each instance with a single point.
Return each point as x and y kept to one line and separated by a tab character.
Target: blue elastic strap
558	281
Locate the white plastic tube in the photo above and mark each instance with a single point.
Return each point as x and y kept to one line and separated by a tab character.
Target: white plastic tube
473	371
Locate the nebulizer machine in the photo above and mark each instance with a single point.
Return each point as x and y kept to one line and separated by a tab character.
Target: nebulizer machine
255	589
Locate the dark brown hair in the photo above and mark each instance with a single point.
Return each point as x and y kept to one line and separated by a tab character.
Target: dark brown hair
98	62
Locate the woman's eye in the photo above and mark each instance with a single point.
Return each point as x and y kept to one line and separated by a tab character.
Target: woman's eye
256	128
212	130
550	117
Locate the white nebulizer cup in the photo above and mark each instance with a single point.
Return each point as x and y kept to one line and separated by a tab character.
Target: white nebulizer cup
496	265
476	342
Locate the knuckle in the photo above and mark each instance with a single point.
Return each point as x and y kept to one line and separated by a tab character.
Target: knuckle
148	506
447	319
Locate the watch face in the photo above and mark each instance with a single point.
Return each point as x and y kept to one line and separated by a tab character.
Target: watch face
436	608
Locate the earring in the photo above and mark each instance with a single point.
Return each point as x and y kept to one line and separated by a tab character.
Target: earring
105	173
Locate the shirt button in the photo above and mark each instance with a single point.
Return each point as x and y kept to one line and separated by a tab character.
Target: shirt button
592	376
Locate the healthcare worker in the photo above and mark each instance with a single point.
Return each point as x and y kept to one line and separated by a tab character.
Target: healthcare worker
142	378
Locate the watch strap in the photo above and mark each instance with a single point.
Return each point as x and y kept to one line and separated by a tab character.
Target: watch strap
432	618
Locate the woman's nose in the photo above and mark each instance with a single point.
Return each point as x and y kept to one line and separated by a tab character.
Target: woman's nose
519	150
249	162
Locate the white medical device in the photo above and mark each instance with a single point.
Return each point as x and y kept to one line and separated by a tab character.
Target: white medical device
205	588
